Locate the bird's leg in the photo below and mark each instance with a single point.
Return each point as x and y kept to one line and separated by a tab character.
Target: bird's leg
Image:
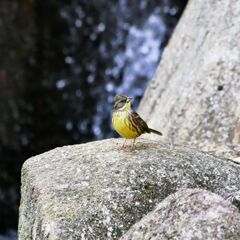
133	144
123	146
128	147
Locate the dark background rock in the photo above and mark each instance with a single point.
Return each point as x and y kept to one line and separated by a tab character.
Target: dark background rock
189	214
94	190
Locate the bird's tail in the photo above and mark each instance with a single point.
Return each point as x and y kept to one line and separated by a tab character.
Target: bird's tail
155	131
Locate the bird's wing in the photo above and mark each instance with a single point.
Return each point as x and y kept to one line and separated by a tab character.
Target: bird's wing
139	123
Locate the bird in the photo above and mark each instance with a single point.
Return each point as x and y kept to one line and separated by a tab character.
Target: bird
127	122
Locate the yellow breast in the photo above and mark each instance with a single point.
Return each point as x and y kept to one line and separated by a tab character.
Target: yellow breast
122	125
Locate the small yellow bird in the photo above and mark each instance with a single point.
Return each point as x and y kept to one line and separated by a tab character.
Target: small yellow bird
127	122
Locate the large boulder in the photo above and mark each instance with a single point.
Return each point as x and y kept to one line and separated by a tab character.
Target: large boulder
194	97
189	214
96	191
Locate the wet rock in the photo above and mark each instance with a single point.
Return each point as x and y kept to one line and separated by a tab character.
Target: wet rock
189	214
96	191
194	97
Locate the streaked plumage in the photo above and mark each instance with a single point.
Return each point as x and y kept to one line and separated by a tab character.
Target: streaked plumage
127	122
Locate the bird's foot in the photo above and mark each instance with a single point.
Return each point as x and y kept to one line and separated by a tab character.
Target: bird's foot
127	148
122	147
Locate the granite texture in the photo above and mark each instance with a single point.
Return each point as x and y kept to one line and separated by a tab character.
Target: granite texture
96	191
189	214
194	96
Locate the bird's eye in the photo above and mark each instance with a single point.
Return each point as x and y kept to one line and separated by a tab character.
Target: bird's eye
121	103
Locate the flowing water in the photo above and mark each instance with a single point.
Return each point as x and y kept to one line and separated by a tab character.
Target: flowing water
62	64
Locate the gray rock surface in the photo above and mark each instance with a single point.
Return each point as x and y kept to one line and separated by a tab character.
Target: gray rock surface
189	214
96	191
194	97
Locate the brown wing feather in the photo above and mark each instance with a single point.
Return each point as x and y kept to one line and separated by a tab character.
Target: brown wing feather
139	123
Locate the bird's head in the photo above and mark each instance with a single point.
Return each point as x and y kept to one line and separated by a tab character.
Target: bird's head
122	102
